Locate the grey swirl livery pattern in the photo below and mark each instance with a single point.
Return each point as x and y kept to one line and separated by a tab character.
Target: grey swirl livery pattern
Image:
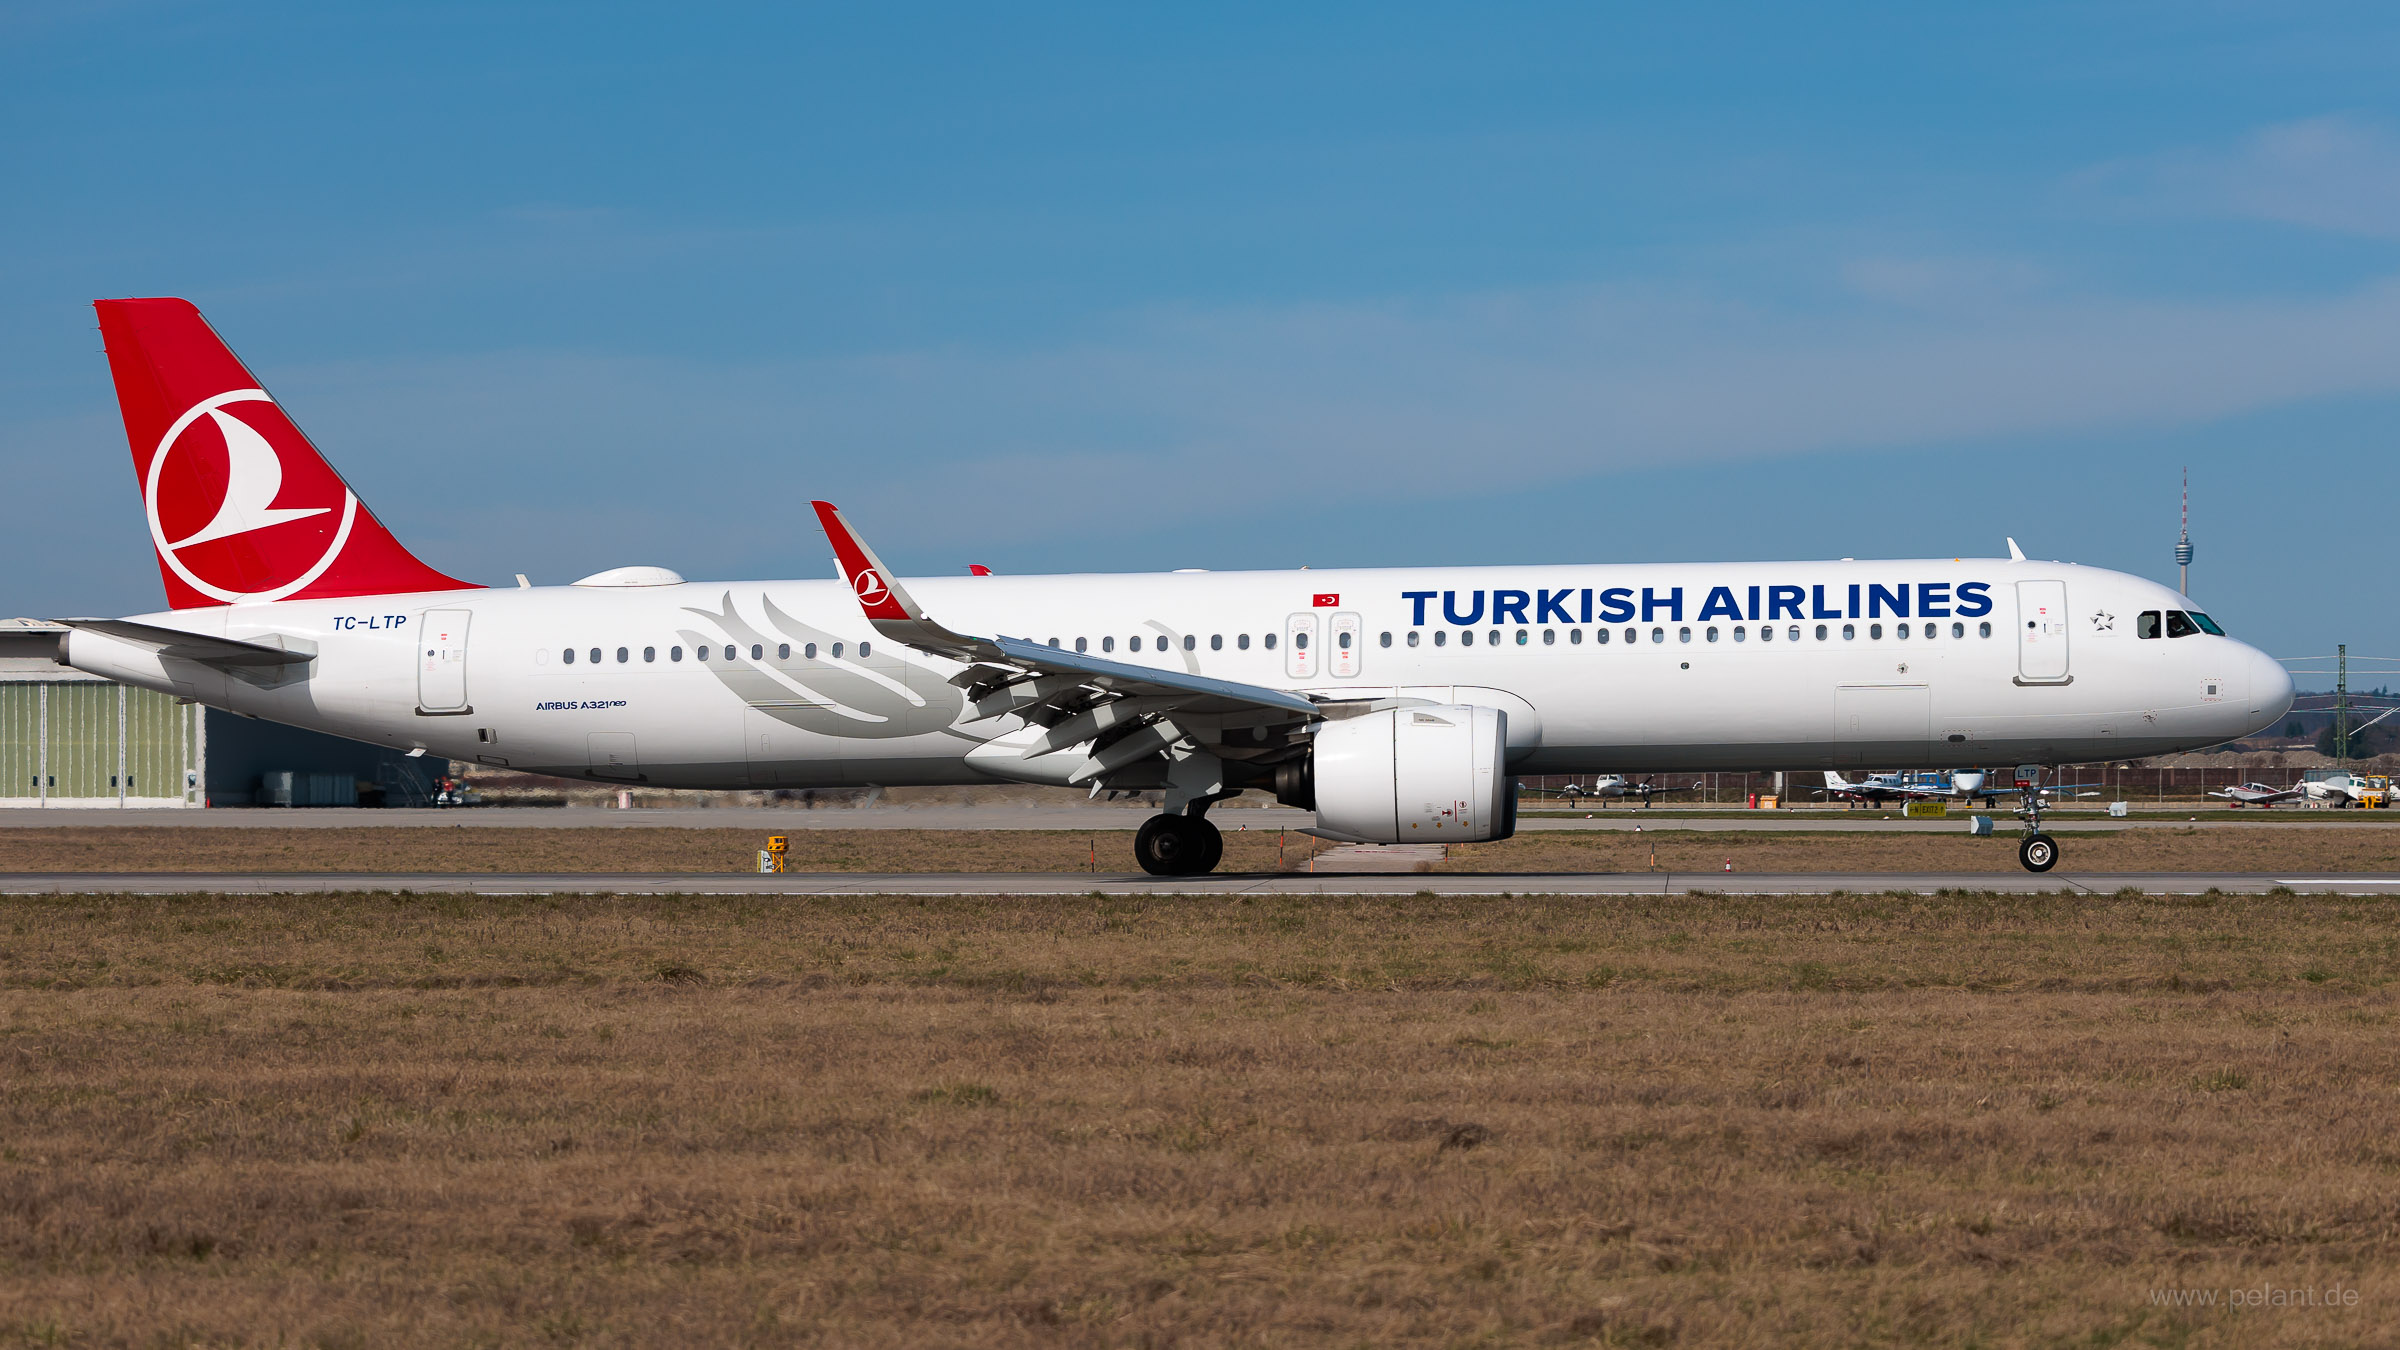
881	697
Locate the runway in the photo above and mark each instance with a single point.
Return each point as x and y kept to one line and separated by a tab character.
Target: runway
781	820
803	885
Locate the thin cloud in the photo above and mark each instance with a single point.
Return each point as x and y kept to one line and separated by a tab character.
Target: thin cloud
2338	173
1180	415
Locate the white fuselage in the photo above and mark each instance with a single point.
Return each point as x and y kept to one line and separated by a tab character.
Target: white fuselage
1716	666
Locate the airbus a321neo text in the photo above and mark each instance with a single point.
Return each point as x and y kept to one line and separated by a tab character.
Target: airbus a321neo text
1399	704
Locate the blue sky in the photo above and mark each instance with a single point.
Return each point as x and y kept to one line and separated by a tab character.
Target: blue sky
1103	288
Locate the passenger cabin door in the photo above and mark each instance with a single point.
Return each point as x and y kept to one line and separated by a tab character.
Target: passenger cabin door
1300	646
2042	632
442	667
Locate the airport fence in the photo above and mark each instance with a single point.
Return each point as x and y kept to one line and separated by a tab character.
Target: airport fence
2129	783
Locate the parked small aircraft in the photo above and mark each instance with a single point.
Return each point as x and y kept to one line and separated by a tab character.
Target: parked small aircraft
2258	794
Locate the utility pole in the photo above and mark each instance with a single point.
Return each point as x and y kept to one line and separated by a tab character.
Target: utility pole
2183	546
2341	703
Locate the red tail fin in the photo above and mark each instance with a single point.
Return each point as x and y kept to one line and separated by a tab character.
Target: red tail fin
242	508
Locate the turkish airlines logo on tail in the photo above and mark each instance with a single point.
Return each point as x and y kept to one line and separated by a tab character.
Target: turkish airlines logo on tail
871	588
212	445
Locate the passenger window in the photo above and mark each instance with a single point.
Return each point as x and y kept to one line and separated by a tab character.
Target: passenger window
649	653
1849	632
1242	642
1875	631
1343	640
1820	632
1466	638
1108	644
1387	639
1523	637
1712	632
1658	635
1740	634
812	651
595	656
1958	630
837	652
1300	640
1441	637
758	651
1634	634
701	652
1191	642
674	653
1549	637
1079	645
1766	632
568	656
1683	635
1794	634
1412	637
1575	637
783	651
728	651
2180	624
809	652
1600	635
1216	642
2146	626
1901	631
863	649
1493	637
1984	629
1267	640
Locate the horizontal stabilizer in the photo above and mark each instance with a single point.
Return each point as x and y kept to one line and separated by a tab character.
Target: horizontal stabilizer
223	653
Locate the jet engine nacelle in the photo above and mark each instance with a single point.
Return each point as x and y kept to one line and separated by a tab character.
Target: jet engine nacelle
1414	776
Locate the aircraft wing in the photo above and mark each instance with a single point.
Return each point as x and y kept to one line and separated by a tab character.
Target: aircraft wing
223	653
1122	712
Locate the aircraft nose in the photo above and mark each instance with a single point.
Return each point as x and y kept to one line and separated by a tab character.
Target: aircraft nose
2270	690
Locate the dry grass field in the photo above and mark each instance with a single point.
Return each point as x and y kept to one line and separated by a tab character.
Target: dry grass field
668	849
598	1121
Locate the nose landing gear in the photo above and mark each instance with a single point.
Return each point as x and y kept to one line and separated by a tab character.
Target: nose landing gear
1178	846
2037	851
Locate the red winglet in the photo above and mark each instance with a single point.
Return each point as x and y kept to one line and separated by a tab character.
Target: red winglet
864	571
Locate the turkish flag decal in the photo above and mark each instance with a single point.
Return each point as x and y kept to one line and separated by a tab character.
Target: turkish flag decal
1325	601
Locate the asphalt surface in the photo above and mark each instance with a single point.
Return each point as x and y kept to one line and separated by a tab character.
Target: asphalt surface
1117	883
773	820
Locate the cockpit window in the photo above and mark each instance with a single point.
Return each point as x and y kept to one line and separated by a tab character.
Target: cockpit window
2147	625
2207	624
2179	624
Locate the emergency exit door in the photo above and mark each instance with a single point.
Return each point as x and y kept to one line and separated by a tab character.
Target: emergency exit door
1344	636
442	662
2042	632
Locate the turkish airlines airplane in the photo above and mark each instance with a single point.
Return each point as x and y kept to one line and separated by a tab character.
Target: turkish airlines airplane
1398	703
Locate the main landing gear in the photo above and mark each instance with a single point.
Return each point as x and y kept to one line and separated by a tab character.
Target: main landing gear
1178	846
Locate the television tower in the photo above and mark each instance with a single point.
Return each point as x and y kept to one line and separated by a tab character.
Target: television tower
2183	546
